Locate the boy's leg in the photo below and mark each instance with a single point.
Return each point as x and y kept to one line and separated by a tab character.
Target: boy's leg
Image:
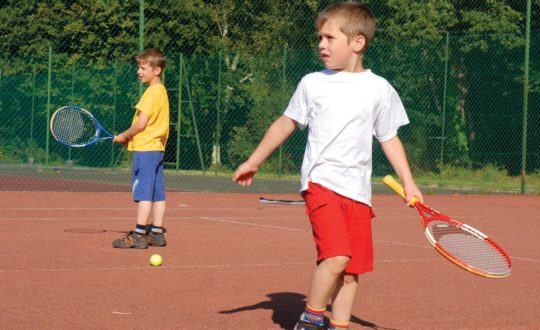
323	284
343	298
359	223
156	236
137	238
143	212
158	213
330	233
325	279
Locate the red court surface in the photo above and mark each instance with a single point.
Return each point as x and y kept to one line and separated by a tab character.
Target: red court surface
232	263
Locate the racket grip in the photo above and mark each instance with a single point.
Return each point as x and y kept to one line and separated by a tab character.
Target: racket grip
398	188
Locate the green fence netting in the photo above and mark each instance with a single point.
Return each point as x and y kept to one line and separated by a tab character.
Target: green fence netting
231	69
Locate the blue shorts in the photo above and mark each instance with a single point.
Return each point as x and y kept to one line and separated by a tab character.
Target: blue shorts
147	177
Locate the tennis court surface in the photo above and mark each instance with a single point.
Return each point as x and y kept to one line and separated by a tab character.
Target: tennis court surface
232	263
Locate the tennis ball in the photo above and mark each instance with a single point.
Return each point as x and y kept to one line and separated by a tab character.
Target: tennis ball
156	260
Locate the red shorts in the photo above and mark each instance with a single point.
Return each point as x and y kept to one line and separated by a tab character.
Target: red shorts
341	227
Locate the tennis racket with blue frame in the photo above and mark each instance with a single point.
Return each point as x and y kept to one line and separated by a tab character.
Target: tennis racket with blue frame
77	127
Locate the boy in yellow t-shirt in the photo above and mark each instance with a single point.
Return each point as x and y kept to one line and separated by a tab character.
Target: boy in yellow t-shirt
147	138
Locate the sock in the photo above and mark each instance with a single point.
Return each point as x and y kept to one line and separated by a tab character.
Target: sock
313	315
337	325
157	229
140	229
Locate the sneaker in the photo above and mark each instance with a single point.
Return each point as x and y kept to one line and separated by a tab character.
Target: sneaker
131	240
303	325
156	239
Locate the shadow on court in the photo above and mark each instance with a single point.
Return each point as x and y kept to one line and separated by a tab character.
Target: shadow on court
287	307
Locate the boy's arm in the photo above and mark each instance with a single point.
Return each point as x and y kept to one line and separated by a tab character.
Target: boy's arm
393	149
137	127
276	134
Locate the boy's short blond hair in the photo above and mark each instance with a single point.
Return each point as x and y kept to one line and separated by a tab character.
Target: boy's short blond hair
353	18
152	56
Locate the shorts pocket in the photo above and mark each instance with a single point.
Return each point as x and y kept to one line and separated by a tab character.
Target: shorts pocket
315	202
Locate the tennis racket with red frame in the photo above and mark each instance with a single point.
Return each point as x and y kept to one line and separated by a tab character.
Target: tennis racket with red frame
460	243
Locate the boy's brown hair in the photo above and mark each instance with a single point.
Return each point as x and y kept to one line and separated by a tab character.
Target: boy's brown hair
354	19
152	56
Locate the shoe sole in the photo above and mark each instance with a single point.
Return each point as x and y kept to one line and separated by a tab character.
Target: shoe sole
158	245
134	246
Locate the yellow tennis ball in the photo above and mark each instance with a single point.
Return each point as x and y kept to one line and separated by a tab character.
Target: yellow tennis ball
156	260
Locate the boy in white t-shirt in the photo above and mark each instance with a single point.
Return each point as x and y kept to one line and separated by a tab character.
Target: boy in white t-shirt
343	107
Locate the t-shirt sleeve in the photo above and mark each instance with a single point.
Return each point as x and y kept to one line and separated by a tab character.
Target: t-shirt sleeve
391	115
147	102
298	109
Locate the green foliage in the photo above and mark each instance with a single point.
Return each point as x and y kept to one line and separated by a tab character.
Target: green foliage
17	151
457	65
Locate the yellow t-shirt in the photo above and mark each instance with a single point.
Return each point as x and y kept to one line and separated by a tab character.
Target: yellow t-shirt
155	104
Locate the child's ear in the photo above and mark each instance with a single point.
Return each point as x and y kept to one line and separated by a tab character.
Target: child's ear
359	43
157	71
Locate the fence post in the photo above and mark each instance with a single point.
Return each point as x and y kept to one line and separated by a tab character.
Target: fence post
114	108
141	34
33	105
525	98
72	101
194	121
216	150
179	117
49	78
443	125
283	80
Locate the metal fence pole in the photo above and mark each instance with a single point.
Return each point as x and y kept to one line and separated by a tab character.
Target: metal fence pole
179	116
33	105
141	25
115	92
49	78
443	125
194	120
141	35
283	80
525	98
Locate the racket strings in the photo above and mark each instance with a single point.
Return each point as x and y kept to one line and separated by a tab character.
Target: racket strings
73	127
468	247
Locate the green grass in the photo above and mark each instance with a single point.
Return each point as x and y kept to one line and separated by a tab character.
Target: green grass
486	180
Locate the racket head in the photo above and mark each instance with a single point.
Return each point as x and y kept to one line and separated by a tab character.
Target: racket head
263	200
464	245
76	127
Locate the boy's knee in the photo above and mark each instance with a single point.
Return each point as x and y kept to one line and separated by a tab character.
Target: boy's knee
350	279
337	264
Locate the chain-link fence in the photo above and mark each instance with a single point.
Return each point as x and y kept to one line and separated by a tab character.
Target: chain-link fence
231	69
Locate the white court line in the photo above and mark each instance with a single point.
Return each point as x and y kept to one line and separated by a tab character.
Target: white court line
248	224
309	231
255	224
188	267
304	231
182	207
150	268
525	259
169	218
404	244
63	219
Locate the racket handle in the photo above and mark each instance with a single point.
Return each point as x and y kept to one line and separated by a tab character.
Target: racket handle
398	189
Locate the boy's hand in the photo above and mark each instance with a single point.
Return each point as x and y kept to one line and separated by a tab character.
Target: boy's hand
411	190
244	174
120	139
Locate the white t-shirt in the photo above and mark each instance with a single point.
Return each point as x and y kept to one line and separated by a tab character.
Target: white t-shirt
343	111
